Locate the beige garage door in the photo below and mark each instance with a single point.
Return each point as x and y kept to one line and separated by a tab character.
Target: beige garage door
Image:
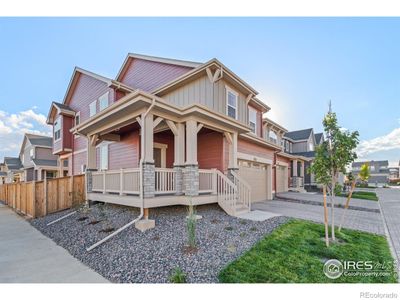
282	179
255	175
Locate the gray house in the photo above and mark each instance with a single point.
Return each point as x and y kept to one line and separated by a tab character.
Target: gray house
13	169
37	158
303	142
379	171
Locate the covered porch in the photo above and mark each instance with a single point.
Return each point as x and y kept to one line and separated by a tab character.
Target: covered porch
183	155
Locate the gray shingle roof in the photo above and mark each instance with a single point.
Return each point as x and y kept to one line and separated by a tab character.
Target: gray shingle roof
306	154
63	106
48	162
318	137
380	163
299	134
13	163
39	140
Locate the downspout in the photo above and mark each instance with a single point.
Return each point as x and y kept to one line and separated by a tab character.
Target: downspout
141	188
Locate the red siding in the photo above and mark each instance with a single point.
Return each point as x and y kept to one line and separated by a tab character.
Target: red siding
254	149
125	154
210	150
149	75
67	124
166	137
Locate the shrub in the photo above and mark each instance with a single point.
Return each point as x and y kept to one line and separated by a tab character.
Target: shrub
191	226
177	276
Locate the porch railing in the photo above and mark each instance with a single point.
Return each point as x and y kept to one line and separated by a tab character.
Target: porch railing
123	181
207	181
226	193
243	190
165	181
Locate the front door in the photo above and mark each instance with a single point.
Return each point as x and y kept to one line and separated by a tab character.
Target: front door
157	157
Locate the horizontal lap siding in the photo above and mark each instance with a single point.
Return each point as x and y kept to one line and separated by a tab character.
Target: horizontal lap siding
67	124
254	149
149	75
210	150
125	154
77	161
44	153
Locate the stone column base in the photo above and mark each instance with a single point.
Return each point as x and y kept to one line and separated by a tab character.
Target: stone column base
145	224
149	177
179	187
191	180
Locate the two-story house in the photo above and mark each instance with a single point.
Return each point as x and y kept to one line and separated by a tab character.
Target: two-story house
3	173
166	131
379	171
38	160
13	168
303	143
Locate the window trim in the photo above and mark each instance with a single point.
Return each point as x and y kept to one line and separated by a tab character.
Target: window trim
101	149
230	90
78	114
252	109
59	122
32	152
102	97
95	108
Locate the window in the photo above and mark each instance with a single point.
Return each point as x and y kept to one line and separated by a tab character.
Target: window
310	146
231	103
32	152
273	137
77	118
104	157
92	108
253	119
57	129
103	101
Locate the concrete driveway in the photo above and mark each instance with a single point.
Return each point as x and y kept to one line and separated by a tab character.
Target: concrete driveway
355	219
27	256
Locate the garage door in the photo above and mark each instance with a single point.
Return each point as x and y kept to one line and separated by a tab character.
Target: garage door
255	174
281	179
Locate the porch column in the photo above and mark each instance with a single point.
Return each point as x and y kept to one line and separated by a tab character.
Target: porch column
179	157
60	167
294	171
91	162
191	173
233	141
147	155
302	169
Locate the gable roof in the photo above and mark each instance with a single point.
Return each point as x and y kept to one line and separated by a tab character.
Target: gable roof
48	162
58	108
319	138
274	124
170	61
380	163
13	163
39	140
299	135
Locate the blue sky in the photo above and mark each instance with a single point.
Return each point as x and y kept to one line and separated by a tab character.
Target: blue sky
297	65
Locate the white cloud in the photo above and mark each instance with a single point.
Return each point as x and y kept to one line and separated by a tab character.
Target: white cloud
14	126
390	141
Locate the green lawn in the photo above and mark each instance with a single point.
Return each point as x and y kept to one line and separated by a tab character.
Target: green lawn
362	195
296	253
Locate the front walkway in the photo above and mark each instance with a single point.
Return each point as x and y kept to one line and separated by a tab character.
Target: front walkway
316	198
389	200
27	256
355	219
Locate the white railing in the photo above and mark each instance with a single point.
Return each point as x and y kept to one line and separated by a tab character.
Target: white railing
165	181
243	190
123	181
226	193
207	181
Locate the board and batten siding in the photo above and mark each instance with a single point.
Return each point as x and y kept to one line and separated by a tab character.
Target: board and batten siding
202	91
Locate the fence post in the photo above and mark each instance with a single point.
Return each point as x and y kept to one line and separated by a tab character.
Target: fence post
45	195
71	190
33	199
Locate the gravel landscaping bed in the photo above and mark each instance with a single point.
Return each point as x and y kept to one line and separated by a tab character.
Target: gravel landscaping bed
150	257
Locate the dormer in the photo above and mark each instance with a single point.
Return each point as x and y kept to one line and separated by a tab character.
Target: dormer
274	133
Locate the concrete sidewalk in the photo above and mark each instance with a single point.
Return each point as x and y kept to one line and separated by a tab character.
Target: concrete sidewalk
315	198
27	256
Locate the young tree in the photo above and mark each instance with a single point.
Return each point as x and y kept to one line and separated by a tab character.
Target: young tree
332	157
363	175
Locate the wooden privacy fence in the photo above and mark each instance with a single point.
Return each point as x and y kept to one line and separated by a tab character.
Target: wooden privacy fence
39	198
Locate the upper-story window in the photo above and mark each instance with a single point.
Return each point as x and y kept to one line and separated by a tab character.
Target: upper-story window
57	129
310	146
253	119
32	152
273	137
93	108
77	118
103	101
104	157
231	103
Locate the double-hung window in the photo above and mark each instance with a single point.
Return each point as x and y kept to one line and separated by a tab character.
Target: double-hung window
103	101
231	103
92	108
57	129
77	118
103	157
253	119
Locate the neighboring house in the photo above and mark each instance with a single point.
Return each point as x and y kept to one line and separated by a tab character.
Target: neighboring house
37	159
379	170
394	173
182	130
3	173
303	143
13	167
